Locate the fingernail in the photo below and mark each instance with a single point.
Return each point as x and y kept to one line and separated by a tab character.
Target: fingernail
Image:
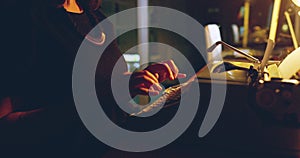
159	87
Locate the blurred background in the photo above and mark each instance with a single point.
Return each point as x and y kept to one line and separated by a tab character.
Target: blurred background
244	24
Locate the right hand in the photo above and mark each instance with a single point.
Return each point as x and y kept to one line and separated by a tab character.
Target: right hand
147	81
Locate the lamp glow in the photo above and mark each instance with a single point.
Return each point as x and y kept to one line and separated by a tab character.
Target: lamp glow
246	23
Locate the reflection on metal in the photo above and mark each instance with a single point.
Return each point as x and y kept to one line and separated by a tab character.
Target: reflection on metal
246	23
274	21
268	51
296	9
291	28
249	57
272	35
297	25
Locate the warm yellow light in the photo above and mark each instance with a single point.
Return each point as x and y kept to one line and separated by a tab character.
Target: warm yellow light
285	28
246	23
274	21
299	13
296	2
292	31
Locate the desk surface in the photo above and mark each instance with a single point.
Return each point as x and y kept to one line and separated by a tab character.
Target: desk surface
239	126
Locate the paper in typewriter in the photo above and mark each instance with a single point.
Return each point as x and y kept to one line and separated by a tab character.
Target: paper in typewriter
290	65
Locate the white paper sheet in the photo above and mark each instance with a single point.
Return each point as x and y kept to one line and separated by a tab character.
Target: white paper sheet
290	65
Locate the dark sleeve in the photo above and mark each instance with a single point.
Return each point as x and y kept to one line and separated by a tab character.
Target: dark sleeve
17	57
16	37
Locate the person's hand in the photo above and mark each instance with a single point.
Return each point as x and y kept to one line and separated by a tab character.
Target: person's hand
147	81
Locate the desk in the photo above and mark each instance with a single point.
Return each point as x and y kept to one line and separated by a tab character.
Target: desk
239	132
239	128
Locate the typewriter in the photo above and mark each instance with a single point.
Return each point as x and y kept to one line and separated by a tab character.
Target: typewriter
261	111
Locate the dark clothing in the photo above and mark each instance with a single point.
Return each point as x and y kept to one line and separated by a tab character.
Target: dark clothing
38	79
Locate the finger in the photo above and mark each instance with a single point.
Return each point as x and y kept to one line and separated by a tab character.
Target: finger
157	75
163	70
137	90
173	67
152	76
146	91
181	75
141	89
127	73
143	79
157	87
139	74
153	92
147	84
147	80
168	71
